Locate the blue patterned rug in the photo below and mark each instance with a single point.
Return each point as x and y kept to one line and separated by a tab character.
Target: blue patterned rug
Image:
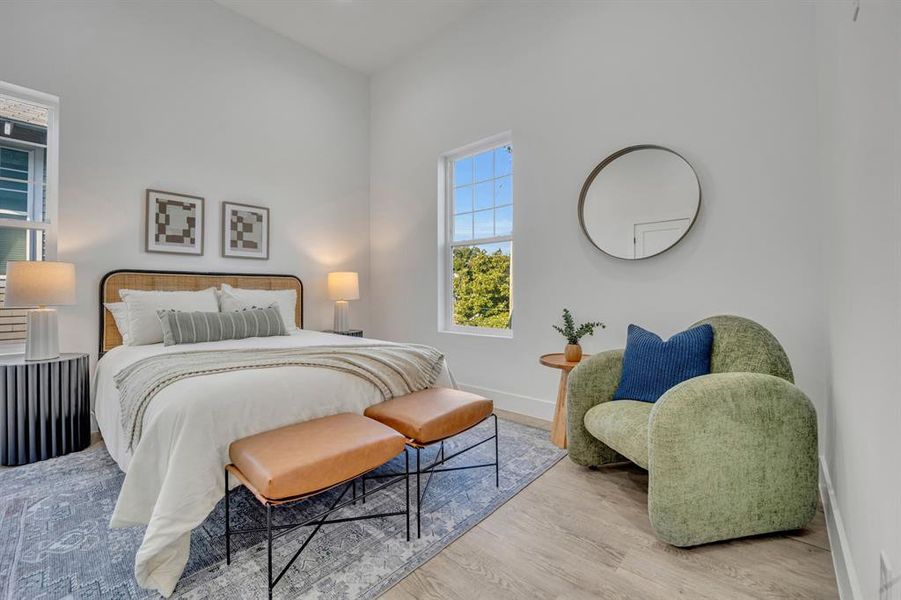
55	541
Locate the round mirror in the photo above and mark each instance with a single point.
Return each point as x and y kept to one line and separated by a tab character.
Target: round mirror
639	202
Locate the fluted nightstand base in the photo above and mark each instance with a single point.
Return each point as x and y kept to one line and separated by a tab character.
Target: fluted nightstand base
44	408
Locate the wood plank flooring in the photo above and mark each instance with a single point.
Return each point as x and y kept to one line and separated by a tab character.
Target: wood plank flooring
576	533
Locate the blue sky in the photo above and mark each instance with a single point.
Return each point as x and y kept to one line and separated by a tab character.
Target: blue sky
483	196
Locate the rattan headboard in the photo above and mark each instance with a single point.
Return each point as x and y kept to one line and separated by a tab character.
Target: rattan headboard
114	281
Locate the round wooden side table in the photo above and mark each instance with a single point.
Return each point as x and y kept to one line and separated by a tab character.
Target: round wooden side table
45	407
556	361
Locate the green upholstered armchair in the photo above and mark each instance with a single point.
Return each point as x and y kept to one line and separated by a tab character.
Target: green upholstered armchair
728	454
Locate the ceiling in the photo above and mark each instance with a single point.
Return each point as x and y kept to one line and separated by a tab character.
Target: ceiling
366	35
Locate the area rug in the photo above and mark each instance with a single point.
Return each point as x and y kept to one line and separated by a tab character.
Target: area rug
55	541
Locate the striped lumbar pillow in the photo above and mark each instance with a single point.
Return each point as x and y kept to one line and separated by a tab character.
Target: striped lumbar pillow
194	327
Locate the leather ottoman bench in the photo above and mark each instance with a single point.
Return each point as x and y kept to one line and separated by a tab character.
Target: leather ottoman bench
430	417
295	462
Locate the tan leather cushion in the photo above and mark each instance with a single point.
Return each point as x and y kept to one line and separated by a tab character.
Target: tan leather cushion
433	414
313	455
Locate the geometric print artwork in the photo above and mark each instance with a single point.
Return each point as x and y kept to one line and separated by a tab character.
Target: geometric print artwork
174	223
245	231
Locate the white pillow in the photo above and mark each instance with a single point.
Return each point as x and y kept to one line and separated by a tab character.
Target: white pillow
143	323
119	311
232	299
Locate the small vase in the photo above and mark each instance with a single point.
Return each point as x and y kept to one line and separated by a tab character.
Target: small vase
573	353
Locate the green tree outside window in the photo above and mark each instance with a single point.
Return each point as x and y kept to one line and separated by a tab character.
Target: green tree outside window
481	287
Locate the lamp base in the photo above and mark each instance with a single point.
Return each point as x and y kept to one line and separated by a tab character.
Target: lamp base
342	316
42	338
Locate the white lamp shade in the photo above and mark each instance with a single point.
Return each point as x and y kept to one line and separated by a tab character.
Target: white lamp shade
39	283
343	285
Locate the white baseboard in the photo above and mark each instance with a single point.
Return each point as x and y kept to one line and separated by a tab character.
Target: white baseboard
524	405
845	574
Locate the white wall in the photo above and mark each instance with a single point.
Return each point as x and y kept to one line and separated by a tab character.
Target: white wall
859	85
728	85
189	97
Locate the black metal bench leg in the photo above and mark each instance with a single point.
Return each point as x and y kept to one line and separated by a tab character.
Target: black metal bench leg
319	520
228	545
269	536
407	482
497	459
418	499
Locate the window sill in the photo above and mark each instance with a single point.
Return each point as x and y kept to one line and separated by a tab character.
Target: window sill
503	334
7	348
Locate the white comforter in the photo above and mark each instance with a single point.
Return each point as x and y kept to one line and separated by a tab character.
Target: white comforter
175	477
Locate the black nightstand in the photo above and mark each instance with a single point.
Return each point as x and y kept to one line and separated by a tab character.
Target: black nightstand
45	407
350	332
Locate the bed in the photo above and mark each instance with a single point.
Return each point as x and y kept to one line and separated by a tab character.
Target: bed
174	475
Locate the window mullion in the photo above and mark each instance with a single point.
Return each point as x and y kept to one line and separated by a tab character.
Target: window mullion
482	241
20	224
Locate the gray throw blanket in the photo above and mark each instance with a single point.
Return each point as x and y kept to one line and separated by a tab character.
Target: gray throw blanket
394	369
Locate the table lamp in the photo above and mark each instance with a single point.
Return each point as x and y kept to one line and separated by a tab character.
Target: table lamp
31	283
343	286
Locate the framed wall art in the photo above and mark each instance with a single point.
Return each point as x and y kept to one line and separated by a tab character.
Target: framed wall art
245	231
174	223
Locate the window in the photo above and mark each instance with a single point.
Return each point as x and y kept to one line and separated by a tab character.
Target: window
28	157
476	287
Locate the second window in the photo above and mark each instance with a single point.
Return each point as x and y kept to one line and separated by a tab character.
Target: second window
480	216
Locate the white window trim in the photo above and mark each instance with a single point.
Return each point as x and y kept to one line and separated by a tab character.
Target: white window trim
446	243
48	226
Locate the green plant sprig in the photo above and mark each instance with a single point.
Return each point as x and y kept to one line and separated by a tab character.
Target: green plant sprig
572	333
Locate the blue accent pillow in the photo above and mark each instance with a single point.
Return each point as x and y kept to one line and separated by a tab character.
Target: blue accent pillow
652	366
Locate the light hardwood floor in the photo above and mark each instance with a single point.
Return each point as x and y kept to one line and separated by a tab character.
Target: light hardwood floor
576	533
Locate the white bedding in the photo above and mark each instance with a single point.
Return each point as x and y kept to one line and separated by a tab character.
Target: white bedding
175	476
